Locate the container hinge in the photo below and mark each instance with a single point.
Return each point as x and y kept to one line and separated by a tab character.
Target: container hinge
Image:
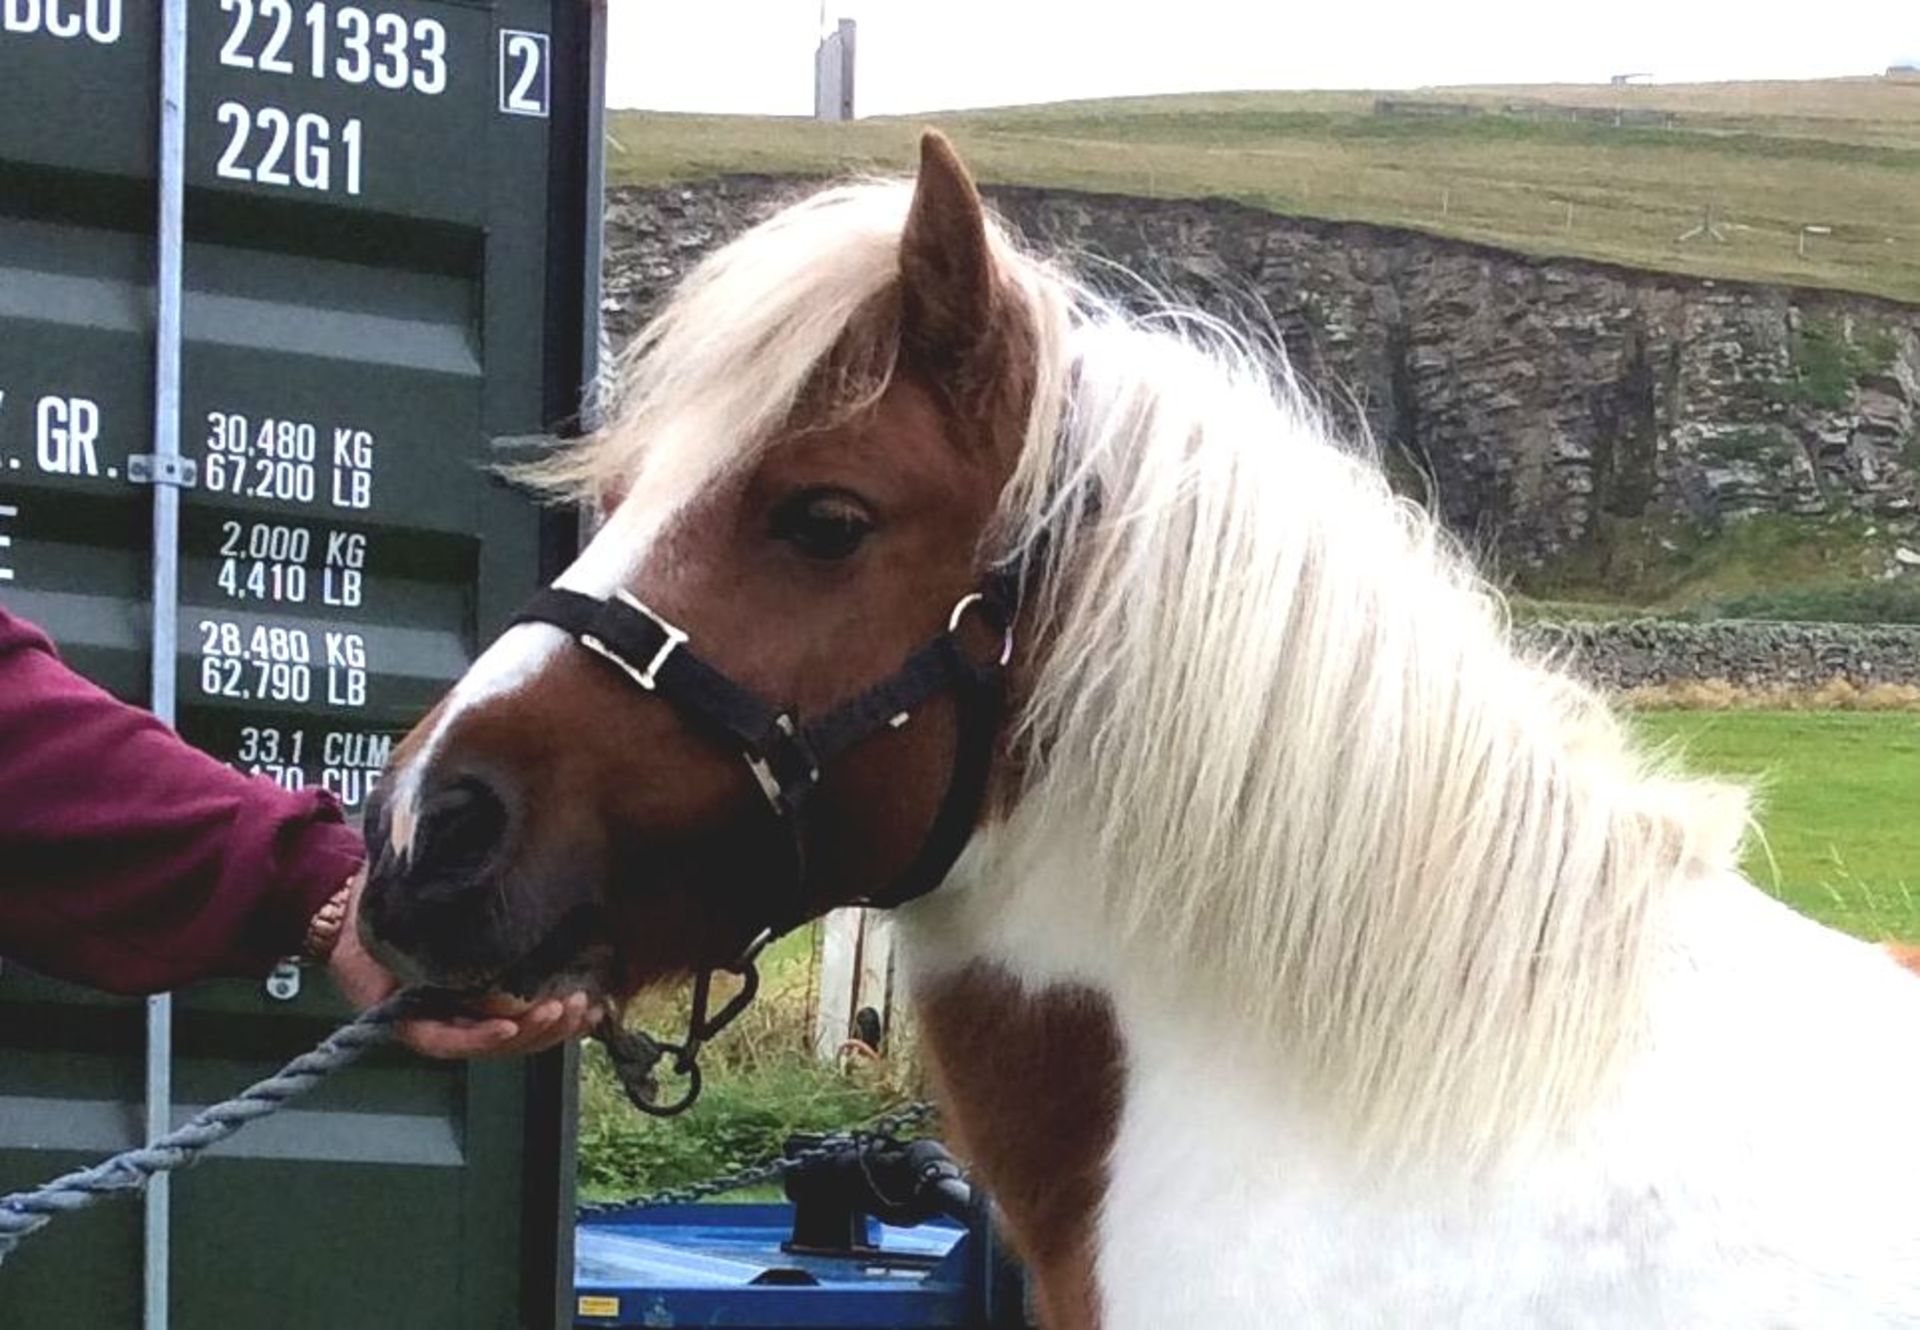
152	469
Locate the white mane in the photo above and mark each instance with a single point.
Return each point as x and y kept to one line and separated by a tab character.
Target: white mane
1318	775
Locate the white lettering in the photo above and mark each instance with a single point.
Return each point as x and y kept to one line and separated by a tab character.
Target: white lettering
356	748
352	787
346	687
523	72
353	46
61	23
352	489
259	144
346	549
343	587
346	649
352	447
98	20
312	161
66	430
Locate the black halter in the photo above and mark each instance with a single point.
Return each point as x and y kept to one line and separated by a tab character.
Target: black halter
786	755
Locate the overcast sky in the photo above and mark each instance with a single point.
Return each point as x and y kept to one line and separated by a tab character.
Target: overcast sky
925	55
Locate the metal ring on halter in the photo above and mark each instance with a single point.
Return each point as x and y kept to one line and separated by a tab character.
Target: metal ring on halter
967	602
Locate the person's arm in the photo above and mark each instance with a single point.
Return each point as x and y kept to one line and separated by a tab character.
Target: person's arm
132	861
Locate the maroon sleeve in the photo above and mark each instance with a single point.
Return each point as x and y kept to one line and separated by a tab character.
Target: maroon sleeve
132	861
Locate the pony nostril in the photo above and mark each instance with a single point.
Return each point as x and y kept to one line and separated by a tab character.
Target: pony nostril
462	825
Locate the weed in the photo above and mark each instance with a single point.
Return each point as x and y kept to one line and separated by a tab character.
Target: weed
1826	365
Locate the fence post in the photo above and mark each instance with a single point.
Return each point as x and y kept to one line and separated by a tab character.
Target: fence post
856	971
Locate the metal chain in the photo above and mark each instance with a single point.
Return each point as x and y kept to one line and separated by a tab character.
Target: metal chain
888	1125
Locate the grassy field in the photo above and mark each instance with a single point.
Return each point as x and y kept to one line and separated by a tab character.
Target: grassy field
1839	795
1768	157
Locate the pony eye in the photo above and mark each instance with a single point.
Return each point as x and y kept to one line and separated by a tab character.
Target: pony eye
825	524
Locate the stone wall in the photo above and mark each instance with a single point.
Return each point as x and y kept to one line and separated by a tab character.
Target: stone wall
1531	398
1630	654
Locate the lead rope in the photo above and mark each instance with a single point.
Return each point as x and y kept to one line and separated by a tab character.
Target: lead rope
634	1055
27	1212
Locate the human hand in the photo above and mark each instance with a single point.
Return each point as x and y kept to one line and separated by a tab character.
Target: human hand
364	982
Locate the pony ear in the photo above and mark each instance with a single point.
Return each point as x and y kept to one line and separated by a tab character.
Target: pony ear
946	272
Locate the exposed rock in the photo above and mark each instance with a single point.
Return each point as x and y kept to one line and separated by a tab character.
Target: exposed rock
1536	395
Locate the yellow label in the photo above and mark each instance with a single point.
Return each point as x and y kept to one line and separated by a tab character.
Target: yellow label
590	1305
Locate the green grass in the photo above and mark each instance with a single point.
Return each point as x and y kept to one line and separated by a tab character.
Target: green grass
762	1084
1769	158
1841	839
1862	602
742	1117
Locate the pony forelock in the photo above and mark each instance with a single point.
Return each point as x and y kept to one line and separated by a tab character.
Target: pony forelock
1320	782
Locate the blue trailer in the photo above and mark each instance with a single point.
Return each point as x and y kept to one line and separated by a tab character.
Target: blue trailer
826	1258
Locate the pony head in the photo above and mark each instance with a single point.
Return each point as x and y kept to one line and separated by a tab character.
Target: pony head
808	446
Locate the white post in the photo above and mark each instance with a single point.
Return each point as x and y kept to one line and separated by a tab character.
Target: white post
856	970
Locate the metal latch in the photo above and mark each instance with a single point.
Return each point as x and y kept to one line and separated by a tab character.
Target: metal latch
152	469
283	985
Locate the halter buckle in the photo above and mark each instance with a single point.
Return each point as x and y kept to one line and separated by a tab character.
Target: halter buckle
648	676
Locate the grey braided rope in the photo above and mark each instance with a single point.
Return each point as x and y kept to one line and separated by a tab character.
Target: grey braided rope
26	1212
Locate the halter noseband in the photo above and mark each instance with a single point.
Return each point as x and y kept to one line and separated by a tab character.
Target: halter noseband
786	755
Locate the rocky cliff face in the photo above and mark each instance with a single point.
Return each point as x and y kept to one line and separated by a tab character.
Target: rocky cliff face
1530	399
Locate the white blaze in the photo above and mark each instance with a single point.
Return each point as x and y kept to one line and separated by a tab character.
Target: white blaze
519	655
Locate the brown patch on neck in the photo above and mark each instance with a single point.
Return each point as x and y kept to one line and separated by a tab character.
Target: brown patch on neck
1032	1086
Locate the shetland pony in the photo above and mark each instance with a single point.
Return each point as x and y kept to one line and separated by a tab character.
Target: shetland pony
1311	957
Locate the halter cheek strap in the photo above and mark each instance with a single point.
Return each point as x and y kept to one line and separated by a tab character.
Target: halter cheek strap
787	754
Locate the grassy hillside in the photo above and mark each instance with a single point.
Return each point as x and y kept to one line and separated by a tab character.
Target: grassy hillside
1769	157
